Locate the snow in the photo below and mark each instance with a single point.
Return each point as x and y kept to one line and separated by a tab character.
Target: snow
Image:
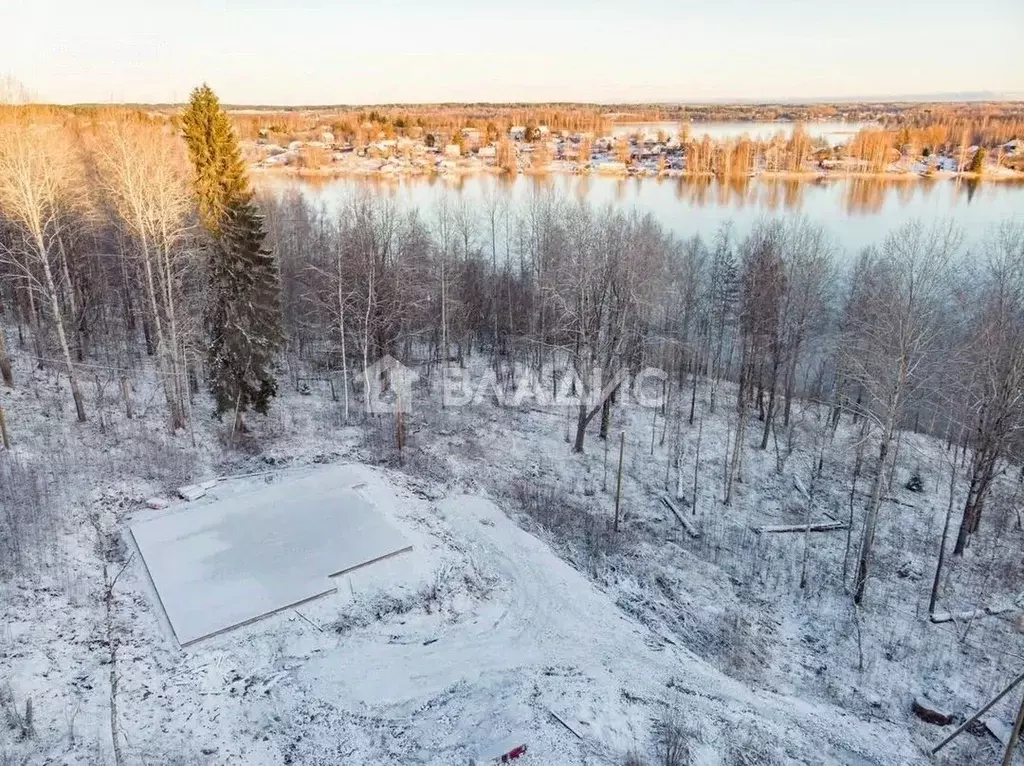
225	563
545	628
515	603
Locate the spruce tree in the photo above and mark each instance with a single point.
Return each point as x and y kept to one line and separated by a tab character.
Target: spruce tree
243	314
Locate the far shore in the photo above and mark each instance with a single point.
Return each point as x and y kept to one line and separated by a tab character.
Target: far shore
570	169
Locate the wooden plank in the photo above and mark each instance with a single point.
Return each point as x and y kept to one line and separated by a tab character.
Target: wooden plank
691	530
821	526
998	729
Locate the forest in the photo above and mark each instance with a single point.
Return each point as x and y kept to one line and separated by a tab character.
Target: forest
102	266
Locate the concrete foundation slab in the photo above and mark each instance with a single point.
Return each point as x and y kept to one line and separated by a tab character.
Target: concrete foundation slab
224	563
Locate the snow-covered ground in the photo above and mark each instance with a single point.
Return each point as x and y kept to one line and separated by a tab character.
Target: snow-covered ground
516	602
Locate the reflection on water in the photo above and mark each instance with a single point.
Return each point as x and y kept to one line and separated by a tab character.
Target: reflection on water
859	211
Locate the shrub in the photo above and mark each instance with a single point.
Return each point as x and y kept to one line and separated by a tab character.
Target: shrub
672	740
29	516
752	750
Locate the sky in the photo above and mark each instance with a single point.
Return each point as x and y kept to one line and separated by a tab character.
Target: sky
387	51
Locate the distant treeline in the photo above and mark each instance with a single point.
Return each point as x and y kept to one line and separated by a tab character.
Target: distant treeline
1006	117
954	130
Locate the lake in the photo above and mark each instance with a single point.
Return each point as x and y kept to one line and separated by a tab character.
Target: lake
857	211
835	132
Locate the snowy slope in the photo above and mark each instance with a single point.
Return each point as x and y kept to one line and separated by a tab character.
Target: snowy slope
548	640
483	628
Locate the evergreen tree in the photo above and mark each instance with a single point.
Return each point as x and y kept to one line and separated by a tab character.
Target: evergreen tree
243	315
218	170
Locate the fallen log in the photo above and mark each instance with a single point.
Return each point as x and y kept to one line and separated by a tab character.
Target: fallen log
691	530
822	526
970	614
567	726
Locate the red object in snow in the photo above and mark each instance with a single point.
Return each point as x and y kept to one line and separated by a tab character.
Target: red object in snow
514	753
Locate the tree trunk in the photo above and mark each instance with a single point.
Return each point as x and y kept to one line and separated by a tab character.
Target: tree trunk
6	373
983	466
693	396
606	412
173	344
871	517
618	481
37	330
606	417
5	437
366	353
790	388
737	448
126	395
165	368
769	416
72	303
933	599
341	329
58	320
582	420
147	333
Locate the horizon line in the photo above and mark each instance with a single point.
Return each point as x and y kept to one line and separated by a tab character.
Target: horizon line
965	97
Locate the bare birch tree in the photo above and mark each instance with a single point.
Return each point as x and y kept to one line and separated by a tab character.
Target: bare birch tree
144	176
40	191
893	324
994	390
6	370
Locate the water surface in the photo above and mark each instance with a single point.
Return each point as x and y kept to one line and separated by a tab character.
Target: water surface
857	211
